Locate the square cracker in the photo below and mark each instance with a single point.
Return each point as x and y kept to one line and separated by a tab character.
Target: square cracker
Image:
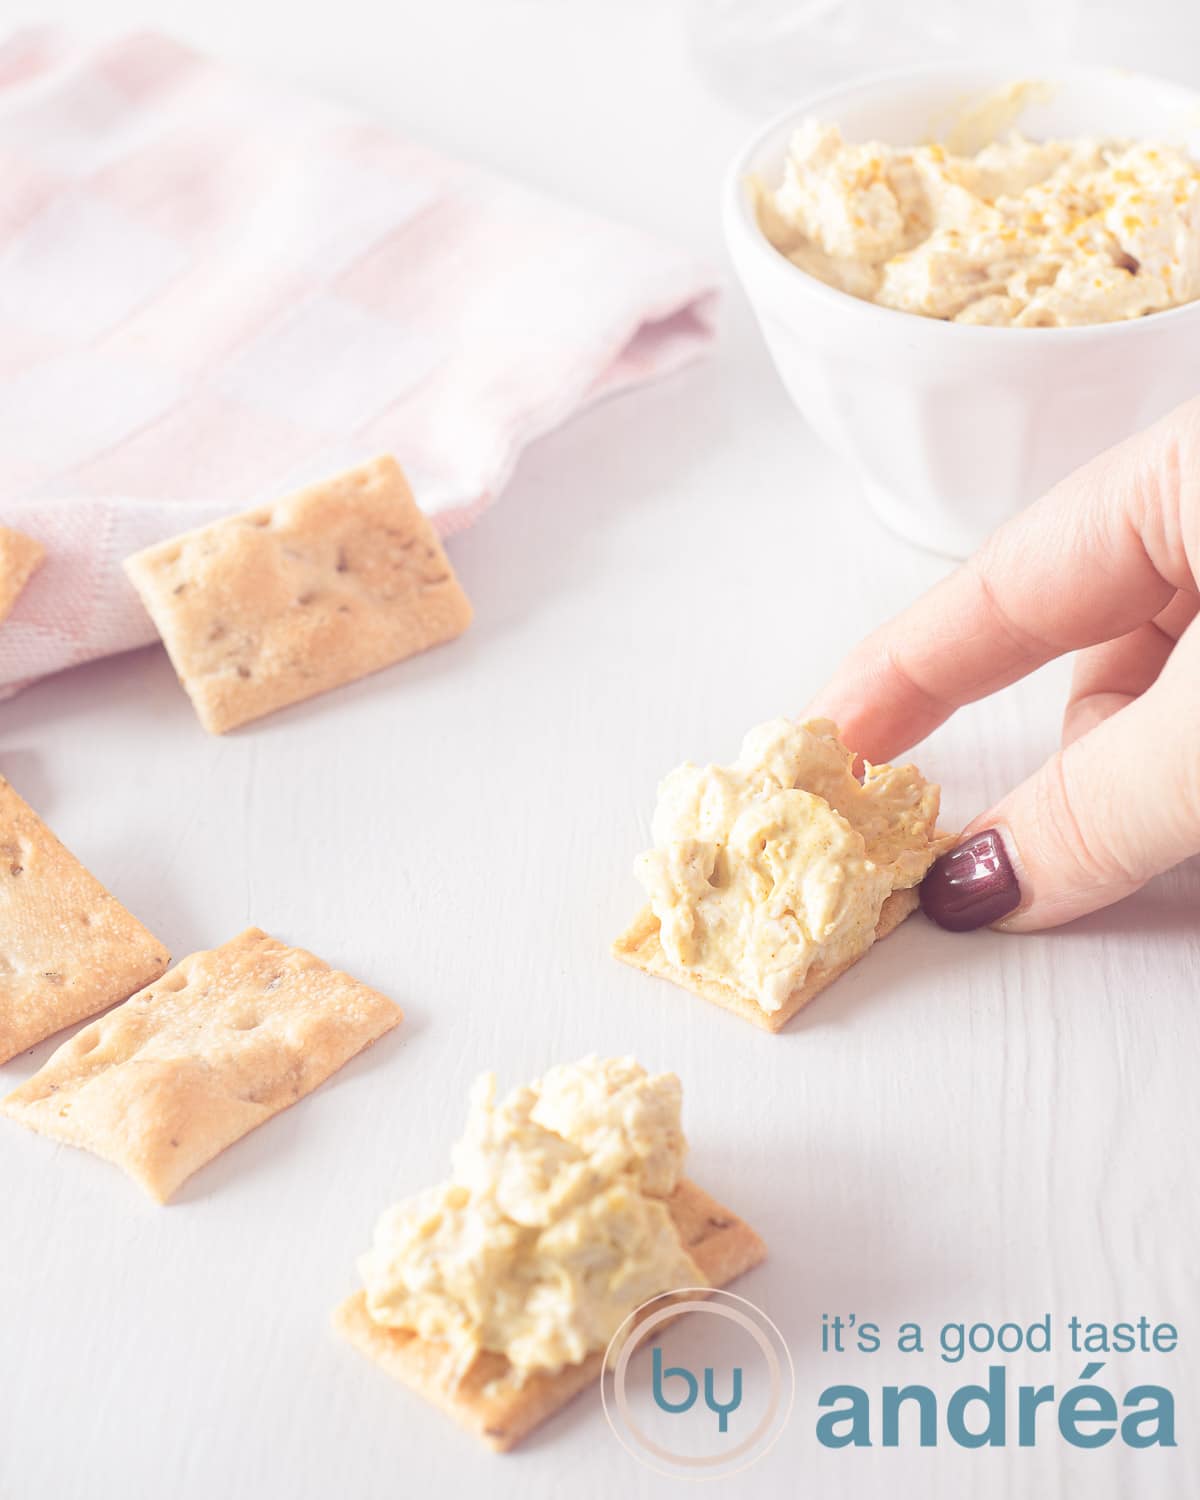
20	558
68	948
189	1065
291	599
640	947
720	1244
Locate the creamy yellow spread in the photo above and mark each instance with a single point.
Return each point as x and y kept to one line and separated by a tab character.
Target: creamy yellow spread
782	861
552	1227
1024	234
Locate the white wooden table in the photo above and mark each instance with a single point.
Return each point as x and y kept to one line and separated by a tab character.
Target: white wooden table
982	1127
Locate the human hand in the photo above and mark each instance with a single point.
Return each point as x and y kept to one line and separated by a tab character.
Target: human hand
1108	565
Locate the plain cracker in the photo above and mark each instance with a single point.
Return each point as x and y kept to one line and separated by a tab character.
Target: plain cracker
189	1065
68	948
640	946
273	606
720	1244
20	558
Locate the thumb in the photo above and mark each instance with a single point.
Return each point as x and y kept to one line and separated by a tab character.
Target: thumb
1113	808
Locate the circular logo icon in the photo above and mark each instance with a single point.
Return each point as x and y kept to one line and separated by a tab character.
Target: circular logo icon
708	1394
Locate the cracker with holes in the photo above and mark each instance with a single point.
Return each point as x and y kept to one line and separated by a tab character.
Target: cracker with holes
68	949
273	606
495	1295
770	877
190	1064
20	558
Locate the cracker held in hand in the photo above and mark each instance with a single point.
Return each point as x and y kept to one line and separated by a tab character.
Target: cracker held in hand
289	600
495	1295
769	878
191	1064
20	558
68	948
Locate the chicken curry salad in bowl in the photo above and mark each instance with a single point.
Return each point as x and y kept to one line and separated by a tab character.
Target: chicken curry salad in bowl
1023	233
972	283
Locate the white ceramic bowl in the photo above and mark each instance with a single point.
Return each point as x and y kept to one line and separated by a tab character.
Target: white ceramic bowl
953	427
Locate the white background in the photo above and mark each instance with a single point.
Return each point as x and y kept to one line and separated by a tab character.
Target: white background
982	1127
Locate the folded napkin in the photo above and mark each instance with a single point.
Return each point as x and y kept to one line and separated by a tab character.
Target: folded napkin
213	290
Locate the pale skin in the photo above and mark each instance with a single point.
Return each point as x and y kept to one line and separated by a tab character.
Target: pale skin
1106	565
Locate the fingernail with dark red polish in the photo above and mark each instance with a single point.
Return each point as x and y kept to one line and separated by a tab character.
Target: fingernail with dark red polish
973	885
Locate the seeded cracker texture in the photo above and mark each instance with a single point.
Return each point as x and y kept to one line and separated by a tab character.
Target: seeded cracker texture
191	1064
640	947
20	558
720	1244
68	948
289	600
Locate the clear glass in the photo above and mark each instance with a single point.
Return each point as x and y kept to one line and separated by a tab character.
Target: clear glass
762	54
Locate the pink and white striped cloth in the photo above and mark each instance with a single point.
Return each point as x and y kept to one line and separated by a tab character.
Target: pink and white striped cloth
212	290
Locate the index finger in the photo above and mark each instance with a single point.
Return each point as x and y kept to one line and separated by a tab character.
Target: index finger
1102	552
